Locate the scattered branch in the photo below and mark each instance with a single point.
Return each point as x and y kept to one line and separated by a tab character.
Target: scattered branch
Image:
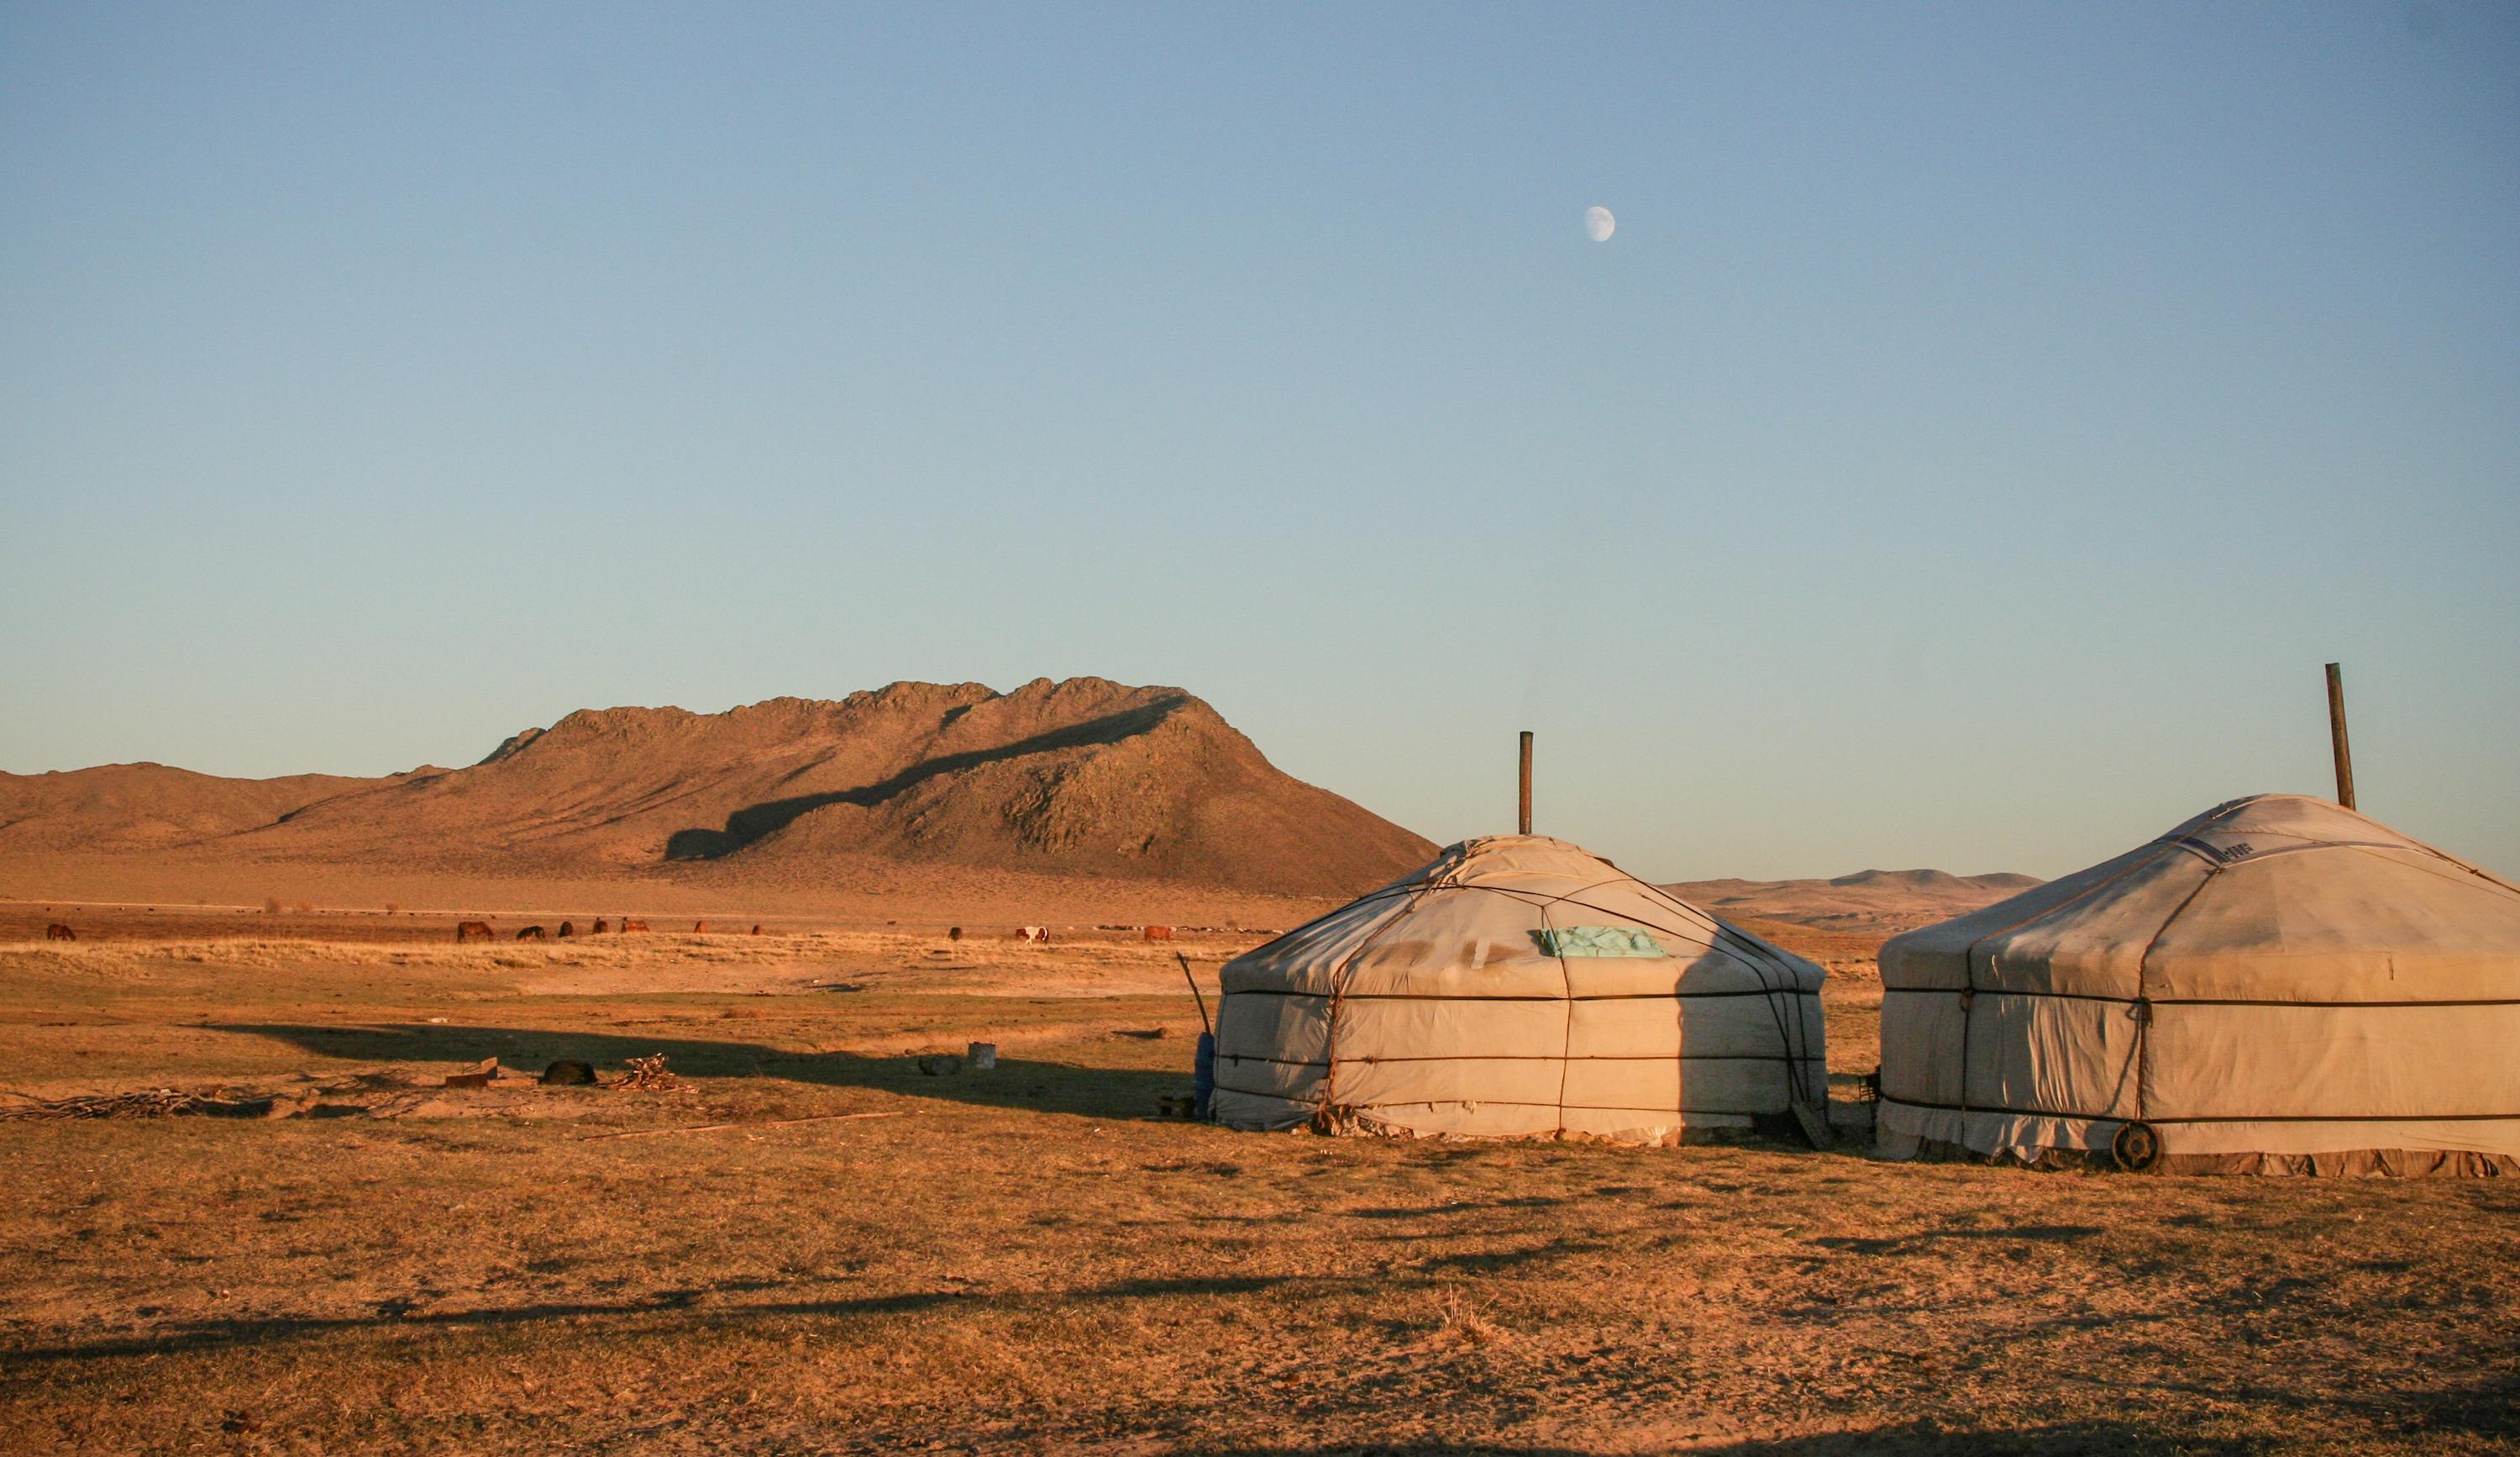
828	1118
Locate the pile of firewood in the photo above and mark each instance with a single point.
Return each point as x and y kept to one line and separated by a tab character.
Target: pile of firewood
154	1103
649	1074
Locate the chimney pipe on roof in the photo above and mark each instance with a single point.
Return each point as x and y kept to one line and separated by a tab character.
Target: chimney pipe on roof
2336	737
1522	821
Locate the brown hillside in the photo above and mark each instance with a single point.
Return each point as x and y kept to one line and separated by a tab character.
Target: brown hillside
149	806
1077	777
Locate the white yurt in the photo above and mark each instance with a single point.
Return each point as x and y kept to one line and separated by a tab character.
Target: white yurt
1518	987
2278	985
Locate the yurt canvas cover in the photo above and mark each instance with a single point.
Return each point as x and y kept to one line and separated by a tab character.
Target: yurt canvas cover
2276	986
1505	990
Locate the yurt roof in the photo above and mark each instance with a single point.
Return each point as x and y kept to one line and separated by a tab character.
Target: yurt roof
1474	909
2272	897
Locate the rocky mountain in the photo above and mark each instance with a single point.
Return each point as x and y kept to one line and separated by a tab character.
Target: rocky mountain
1078	777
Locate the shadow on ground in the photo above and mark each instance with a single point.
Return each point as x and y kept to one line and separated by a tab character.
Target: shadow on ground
725	1306
1055	1087
1041	1086
1908	1243
2113	1437
2485	1409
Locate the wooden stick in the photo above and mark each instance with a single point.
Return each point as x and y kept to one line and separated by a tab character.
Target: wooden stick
2336	736
1522	820
713	1127
1196	993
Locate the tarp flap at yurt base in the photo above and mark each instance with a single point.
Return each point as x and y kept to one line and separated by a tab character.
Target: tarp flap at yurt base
1517	986
2278	985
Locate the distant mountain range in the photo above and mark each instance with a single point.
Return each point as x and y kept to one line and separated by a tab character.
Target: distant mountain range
1084	777
1885	900
1081	777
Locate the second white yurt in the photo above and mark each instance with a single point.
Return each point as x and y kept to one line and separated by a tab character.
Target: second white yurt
1517	986
2278	985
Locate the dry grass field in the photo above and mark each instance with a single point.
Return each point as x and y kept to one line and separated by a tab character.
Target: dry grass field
1028	1259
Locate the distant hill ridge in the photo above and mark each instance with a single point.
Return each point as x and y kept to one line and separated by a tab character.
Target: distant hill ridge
1866	900
1082	776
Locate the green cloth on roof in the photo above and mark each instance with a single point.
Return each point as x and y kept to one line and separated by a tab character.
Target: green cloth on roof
1597	941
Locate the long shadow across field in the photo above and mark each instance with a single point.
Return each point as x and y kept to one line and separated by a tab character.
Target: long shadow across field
2485	1408
726	1306
1042	1086
1055	1087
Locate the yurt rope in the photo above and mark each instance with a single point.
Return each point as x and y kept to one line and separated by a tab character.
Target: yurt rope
1339	991
2143	996
1721	939
1367	898
1716	936
2214	866
1968	963
1749	952
2400	843
1566	1047
2491	878
1795	1043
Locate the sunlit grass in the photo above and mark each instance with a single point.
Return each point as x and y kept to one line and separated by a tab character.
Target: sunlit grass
1030	1259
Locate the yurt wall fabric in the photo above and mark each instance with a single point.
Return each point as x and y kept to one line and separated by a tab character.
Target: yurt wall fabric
1517	986
2278	984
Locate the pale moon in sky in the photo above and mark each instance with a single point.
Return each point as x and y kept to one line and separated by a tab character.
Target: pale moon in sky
1599	225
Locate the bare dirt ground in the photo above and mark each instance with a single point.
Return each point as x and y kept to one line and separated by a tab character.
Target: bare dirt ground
1029	1259
155	897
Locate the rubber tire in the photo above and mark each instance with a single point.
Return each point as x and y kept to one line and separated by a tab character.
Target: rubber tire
2136	1148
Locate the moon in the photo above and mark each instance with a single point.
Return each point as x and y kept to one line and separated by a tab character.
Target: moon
1599	224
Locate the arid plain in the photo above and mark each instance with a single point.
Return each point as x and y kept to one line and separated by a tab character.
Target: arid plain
811	1244
1029	1259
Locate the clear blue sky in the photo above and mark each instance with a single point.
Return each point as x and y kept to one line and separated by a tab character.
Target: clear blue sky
1984	422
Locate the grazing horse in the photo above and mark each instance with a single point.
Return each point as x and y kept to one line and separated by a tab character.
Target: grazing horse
568	928
1037	935
473	930
600	927
529	934
1159	932
56	931
629	925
